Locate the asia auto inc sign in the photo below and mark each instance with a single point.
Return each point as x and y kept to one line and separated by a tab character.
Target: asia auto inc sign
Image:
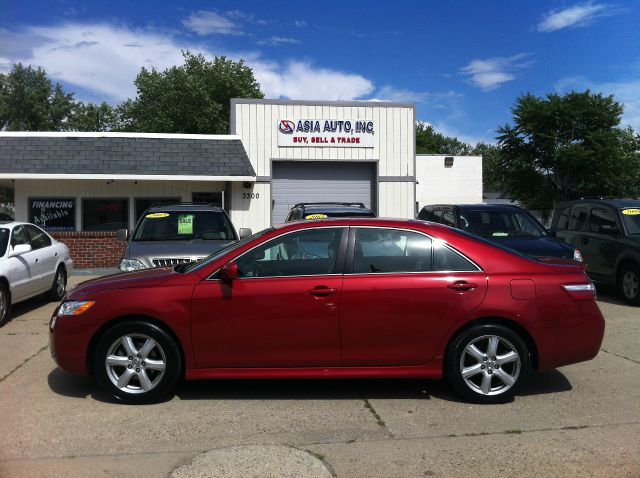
326	133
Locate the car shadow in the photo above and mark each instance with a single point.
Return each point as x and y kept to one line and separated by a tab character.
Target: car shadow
23	308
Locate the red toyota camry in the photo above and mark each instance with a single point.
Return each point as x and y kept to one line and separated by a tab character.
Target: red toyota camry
342	298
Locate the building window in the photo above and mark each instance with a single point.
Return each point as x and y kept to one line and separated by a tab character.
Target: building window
107	214
142	204
213	198
53	214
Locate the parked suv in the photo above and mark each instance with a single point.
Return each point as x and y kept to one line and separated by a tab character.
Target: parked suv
323	210
507	225
607	231
171	234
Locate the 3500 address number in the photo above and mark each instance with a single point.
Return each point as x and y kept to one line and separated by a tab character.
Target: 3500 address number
250	195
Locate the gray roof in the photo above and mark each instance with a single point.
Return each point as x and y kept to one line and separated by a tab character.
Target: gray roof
59	154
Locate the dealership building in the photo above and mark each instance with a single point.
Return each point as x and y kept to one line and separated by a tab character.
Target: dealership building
82	187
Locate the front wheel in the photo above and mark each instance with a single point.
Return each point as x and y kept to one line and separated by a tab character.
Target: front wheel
137	362
487	364
629	284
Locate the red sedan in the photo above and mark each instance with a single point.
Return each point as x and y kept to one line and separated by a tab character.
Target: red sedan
342	298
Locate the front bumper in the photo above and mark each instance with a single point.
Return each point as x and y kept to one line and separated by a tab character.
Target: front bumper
69	344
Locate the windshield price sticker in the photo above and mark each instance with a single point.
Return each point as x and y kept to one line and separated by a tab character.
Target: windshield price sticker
631	212
157	215
185	224
316	216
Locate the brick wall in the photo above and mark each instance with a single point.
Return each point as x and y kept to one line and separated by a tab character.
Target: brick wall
92	249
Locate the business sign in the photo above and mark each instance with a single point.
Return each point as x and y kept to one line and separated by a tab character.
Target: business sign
53	214
326	133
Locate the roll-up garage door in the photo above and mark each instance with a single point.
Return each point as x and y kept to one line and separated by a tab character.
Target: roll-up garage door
293	182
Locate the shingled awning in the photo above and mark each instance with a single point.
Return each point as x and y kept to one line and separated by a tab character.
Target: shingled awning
124	155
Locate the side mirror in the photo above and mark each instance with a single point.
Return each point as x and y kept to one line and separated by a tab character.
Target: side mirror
229	272
122	234
608	229
245	232
20	249
551	232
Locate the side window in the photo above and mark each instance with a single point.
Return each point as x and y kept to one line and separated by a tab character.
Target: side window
448	217
379	250
601	217
445	259
301	253
38	238
19	236
578	218
563	219
426	214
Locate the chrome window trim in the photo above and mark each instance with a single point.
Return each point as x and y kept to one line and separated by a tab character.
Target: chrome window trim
210	278
445	244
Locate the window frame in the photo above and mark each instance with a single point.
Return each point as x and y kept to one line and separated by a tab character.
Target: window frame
47	237
350	256
105	198
587	208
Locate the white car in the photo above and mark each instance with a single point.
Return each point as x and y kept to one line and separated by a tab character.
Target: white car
31	263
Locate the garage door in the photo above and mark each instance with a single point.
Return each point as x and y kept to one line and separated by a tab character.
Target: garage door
294	182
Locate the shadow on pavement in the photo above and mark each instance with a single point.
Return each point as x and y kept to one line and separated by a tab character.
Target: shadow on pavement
29	305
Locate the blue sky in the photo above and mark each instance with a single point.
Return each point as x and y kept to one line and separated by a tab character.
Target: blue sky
463	62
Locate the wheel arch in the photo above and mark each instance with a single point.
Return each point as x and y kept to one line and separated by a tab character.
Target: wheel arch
93	343
509	323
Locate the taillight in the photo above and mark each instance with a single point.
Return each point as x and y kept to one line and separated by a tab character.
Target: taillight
580	291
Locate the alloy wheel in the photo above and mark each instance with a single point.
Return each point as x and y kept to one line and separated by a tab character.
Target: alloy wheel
630	284
60	283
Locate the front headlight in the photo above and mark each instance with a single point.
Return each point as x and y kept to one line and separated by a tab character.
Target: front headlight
131	265
75	307
577	256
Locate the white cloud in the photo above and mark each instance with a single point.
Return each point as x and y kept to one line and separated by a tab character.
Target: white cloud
205	22
488	74
103	60
579	15
625	92
276	40
300	23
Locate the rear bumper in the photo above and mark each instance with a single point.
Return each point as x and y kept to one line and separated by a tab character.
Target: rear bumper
567	340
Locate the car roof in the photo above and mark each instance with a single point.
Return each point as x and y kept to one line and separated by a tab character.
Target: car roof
615	202
364	221
481	206
185	207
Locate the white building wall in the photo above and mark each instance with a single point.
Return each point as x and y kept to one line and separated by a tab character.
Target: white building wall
460	183
79	189
255	121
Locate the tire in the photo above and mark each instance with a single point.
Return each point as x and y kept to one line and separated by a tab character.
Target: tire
123	358
5	305
59	286
629	284
487	379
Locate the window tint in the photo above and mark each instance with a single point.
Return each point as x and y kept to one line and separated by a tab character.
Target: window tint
19	236
563	219
38	238
444	259
601	217
184	225
500	224
389	250
578	218
427	214
448	218
307	252
105	214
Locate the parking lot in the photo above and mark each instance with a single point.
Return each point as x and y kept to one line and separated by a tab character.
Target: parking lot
580	420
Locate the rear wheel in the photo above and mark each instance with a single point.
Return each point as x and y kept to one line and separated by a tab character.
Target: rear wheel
629	284
487	363
5	304
137	362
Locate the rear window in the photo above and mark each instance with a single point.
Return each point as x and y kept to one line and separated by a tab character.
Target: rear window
345	213
184	226
498	224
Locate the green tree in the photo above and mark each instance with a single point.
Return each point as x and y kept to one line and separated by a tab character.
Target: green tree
564	147
190	98
429	141
29	101
490	165
93	117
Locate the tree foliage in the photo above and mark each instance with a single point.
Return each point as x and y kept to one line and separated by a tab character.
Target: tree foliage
190	98
30	102
429	141
93	117
564	147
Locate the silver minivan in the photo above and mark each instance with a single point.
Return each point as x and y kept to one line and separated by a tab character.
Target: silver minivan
171	234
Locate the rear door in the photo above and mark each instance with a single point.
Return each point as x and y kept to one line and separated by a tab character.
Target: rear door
401	292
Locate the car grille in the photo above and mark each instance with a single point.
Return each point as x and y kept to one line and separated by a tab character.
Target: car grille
172	261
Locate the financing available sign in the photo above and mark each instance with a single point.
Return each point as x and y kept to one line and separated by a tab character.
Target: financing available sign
326	133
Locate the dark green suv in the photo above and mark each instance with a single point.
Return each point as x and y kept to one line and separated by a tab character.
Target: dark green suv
607	232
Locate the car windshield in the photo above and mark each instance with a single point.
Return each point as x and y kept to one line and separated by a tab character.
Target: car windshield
631	219
345	213
4	240
192	266
497	224
184	226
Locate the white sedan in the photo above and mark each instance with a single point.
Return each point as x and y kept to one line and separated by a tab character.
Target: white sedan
31	263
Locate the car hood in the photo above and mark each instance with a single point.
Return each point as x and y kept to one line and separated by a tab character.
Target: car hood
536	246
124	280
147	251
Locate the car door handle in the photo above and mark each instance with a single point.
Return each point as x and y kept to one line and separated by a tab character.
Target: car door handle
321	291
36	260
462	285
